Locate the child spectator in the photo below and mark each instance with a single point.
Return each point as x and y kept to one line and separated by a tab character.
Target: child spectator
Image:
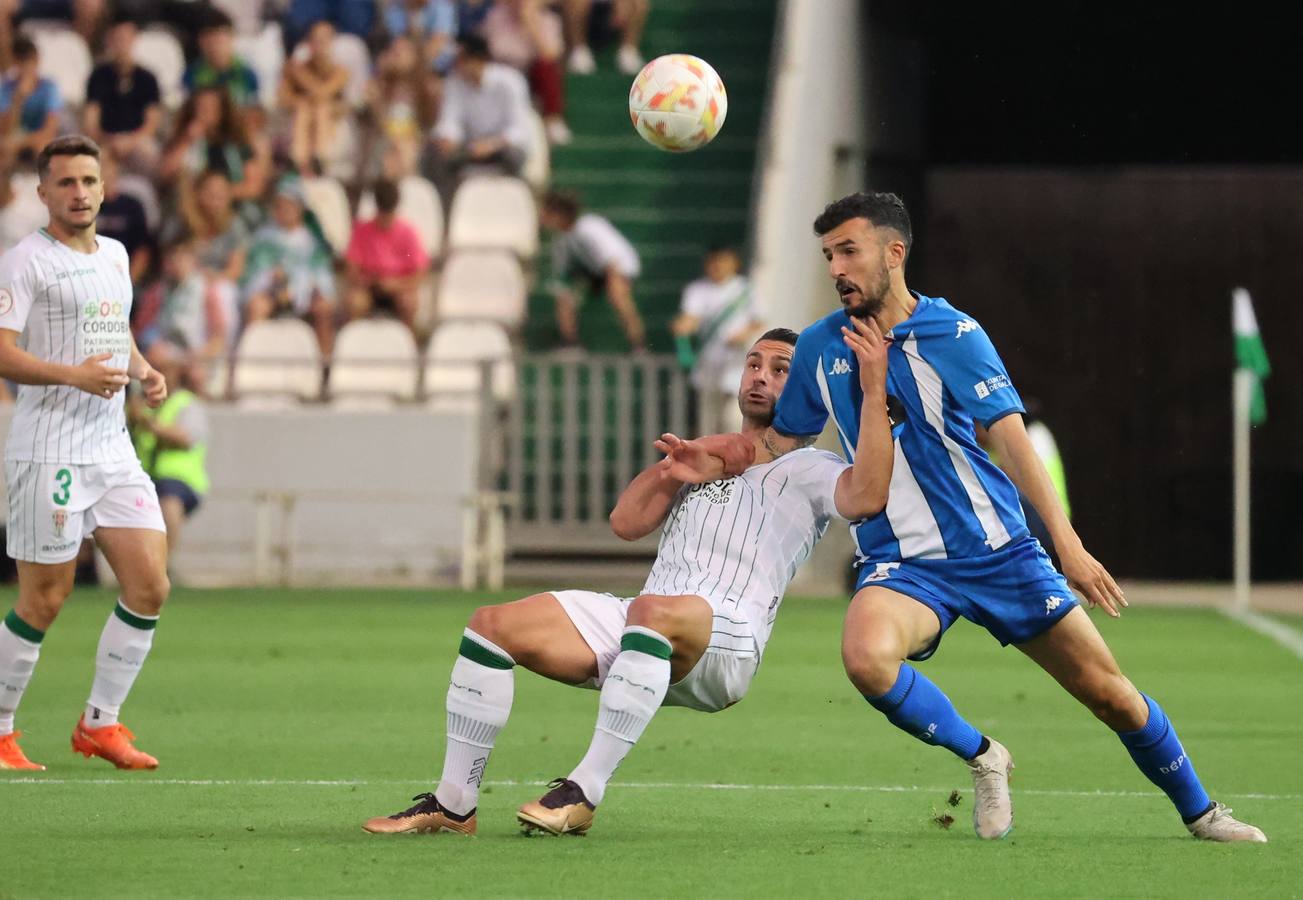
218	66
386	261
312	90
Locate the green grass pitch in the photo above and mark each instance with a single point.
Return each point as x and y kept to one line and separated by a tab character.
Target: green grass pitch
283	719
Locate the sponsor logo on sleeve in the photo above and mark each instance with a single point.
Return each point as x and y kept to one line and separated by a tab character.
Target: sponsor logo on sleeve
988	387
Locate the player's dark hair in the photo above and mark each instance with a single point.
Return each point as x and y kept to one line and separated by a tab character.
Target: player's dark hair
24	48
883	210
562	202
68	145
717	249
474	46
386	194
786	335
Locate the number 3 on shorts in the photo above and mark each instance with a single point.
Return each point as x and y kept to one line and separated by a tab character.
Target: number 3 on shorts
64	478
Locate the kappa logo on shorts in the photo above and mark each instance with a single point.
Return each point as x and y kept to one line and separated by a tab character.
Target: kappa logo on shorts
1052	603
883	571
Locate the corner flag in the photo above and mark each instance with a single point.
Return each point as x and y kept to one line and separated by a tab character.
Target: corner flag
1250	354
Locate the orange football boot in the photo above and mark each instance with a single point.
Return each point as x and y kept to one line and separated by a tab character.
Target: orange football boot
112	742
13	757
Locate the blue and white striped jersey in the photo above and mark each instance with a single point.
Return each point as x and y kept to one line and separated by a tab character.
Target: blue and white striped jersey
947	499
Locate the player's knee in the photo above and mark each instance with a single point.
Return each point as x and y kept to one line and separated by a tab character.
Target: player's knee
487	622
662	615
39	608
1116	703
147	599
871	665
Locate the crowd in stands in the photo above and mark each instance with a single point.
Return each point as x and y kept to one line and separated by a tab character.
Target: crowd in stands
219	121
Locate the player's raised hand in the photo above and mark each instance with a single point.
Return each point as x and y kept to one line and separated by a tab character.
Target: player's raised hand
1090	579
870	348
736	451
94	377
687	461
155	386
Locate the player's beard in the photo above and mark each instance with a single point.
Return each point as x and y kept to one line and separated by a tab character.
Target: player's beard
871	302
756	412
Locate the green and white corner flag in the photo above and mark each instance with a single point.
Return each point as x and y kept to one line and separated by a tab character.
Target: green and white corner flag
1250	354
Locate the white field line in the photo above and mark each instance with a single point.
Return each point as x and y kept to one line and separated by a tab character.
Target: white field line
1279	632
642	785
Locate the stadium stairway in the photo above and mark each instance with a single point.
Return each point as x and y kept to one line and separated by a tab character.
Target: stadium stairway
671	206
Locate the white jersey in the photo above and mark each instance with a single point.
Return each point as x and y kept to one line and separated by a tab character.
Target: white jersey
737	542
67	306
725	311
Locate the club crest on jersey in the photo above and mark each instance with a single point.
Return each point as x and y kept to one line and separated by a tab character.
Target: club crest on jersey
717	492
840	366
965	326
6	301
60	520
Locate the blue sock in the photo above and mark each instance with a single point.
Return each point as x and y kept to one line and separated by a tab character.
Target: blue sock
916	705
1159	754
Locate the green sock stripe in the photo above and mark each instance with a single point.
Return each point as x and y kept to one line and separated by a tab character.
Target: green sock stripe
478	653
134	620
22	629
645	643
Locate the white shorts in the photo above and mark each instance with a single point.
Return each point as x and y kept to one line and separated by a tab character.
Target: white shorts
719	679
52	506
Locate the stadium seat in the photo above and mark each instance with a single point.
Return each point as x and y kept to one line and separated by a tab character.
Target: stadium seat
341	159
26	213
65	60
278	358
264	51
374	358
452	363
538	162
482	284
329	203
158	50
494	212
418	203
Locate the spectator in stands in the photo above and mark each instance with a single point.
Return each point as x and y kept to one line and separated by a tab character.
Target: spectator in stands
183	308
312	91
386	261
357	17
122	217
471	15
221	238
210	134
718	315
484	118
85	16
29	106
289	269
19	216
122	112
401	99
526	35
172	441
590	255
431	25
625	16
218	66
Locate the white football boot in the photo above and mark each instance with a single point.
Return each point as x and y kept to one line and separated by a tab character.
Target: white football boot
992	806
1217	824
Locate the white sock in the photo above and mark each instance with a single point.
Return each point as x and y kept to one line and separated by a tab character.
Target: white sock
124	644
20	645
479	702
634	689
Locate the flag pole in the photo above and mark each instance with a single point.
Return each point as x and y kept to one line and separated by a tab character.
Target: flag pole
1242	388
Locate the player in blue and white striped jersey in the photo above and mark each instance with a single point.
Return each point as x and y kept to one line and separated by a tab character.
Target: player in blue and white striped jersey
952	540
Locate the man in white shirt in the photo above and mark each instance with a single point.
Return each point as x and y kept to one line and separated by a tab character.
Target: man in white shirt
483	117
718	315
695	635
589	254
70	467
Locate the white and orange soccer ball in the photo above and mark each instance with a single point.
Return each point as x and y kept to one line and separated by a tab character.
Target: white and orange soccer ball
678	103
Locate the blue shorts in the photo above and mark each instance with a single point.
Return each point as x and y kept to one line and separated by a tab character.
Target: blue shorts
170	487
1014	593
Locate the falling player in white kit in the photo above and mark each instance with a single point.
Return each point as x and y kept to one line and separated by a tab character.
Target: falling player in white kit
70	467
695	635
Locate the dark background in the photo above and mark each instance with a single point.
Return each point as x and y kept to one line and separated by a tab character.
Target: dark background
1090	183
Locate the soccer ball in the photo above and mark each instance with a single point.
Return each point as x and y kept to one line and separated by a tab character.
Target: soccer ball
678	103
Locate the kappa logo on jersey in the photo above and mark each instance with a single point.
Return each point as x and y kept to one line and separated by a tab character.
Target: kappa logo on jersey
840	366
965	326
1052	603
986	388
6	301
716	492
883	571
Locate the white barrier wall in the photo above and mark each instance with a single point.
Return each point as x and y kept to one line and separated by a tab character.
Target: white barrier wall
315	495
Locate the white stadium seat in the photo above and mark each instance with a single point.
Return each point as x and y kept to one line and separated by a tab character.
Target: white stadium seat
494	211
418	203
341	157
265	54
453	358
374	358
538	161
64	60
482	284
329	203
158	50
278	357
26	213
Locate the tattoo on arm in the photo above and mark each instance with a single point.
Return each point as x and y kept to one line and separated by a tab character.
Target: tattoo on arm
770	441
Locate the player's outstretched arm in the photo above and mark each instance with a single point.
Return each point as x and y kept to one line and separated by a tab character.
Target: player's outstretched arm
91	375
643	505
1086	575
862	489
